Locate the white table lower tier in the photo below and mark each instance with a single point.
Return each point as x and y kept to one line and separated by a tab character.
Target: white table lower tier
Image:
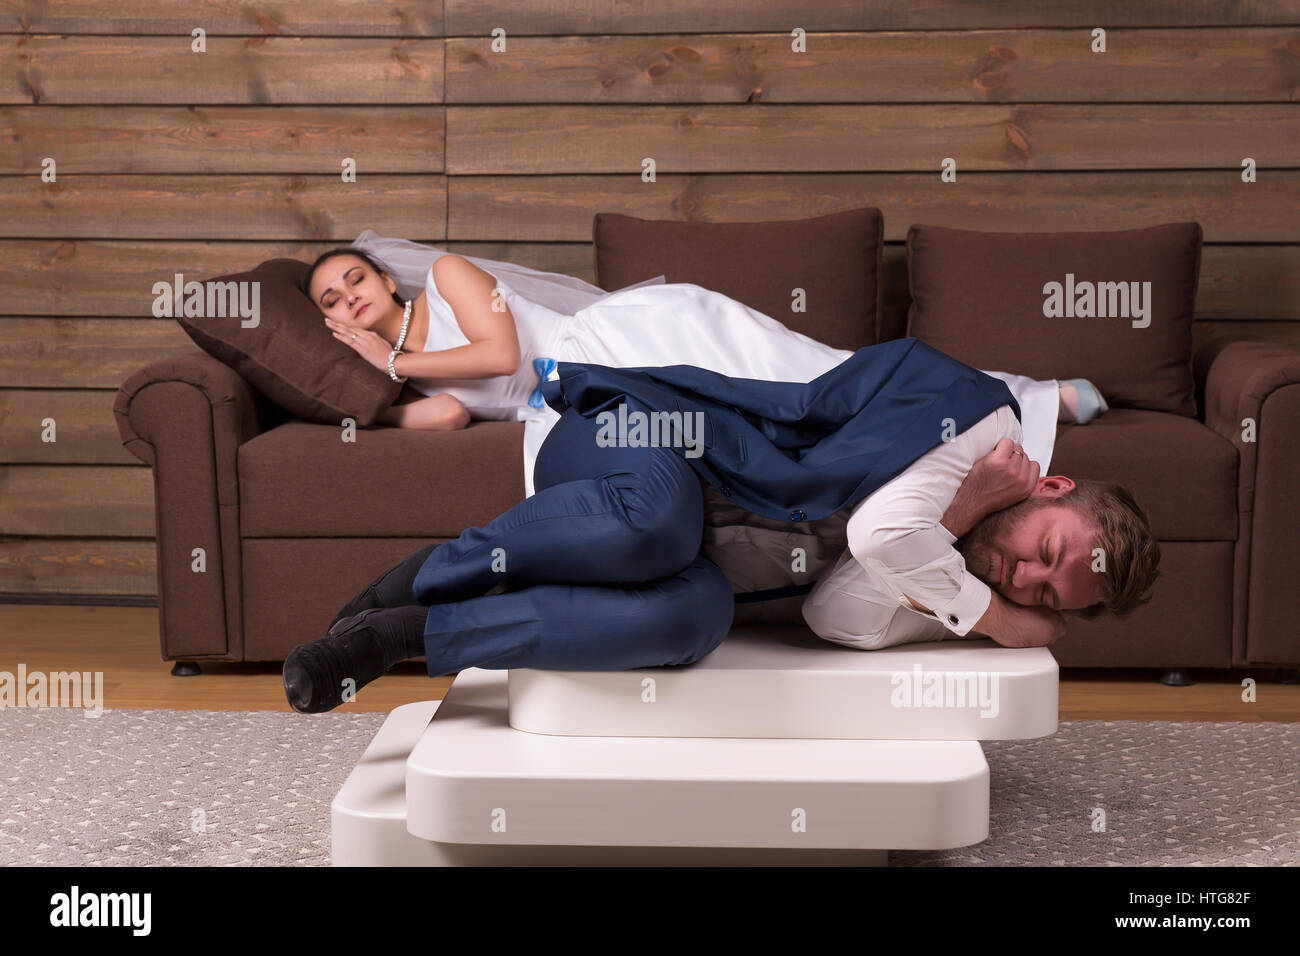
452	783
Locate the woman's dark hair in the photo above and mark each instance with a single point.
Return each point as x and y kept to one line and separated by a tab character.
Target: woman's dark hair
345	251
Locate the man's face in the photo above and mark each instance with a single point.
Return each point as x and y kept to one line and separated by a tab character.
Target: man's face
1036	552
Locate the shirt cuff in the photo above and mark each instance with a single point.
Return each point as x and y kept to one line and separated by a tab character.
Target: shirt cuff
961	613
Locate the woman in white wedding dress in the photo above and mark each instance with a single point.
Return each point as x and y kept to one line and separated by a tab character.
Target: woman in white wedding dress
485	334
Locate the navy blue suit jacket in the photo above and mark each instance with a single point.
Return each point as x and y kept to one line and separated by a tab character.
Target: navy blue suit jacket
798	451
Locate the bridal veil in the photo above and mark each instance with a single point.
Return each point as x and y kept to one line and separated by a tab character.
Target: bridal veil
409	264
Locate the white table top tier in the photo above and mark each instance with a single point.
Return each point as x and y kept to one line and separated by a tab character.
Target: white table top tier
778	682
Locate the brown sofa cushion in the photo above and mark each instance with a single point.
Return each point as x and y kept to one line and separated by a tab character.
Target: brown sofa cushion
290	355
1183	474
835	259
980	297
300	481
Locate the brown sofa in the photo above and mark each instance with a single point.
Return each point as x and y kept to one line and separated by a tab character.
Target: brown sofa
292	522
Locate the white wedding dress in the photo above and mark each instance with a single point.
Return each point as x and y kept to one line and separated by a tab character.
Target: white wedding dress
655	325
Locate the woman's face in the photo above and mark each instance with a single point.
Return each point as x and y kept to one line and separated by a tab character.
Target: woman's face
346	289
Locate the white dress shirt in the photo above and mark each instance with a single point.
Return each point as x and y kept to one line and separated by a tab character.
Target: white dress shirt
898	548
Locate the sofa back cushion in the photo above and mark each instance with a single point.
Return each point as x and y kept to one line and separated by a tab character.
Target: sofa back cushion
834	259
289	355
1113	307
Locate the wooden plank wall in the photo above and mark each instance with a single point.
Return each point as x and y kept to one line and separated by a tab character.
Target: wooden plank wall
171	161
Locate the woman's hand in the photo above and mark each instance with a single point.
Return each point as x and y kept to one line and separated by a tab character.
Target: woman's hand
371	346
440	412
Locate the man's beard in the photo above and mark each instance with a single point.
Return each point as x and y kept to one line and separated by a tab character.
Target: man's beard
985	545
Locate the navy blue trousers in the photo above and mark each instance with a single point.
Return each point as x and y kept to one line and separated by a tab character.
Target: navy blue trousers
600	570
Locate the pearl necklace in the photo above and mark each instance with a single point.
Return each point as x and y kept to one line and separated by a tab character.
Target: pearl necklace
406	319
392	356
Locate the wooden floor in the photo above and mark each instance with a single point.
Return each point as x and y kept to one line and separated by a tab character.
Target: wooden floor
122	643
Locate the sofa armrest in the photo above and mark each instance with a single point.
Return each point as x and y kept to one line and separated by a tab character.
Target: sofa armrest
233	403
1247	382
1237	378
186	415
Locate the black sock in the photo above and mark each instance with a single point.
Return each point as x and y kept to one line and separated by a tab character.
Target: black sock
390	589
399	632
394	588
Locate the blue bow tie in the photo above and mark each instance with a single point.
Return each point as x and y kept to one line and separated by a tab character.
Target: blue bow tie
543	367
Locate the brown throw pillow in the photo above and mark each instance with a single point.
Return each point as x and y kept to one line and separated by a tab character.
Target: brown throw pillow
1112	307
835	259
289	355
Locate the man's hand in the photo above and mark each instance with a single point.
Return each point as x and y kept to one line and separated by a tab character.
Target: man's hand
1002	478
1032	627
1015	625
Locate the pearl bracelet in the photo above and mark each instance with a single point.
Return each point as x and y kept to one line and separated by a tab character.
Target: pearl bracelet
392	372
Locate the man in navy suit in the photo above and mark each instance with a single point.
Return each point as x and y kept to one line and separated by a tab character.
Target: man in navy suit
603	569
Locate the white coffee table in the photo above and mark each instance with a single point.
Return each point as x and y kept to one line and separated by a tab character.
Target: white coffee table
452	783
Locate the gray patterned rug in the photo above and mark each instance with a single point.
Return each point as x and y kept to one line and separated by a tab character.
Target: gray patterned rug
217	788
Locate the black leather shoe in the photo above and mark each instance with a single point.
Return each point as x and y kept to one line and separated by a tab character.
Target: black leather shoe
314	673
